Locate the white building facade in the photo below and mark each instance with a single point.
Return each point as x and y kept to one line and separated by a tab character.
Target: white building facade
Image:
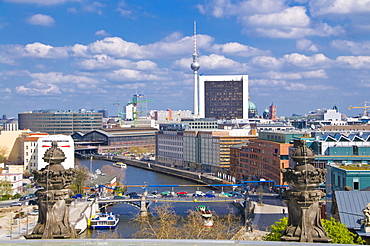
15	181
35	147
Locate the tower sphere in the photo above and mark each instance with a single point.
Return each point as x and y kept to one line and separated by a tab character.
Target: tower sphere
195	66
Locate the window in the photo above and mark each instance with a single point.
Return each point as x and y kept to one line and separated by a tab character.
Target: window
356	183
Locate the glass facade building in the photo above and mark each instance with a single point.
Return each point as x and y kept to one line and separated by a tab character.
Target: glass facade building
60	122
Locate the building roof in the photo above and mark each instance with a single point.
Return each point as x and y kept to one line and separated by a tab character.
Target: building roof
350	205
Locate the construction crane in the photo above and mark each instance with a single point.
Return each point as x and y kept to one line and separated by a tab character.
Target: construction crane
365	107
134	104
119	113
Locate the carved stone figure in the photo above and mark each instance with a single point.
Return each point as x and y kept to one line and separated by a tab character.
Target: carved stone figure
366	212
54	200
304	201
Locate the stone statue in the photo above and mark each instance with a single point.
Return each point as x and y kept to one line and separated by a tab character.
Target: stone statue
366	212
54	200
304	201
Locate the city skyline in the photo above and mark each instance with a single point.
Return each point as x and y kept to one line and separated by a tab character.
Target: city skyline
300	55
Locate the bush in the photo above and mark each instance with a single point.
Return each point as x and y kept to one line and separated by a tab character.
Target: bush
17	196
336	231
277	230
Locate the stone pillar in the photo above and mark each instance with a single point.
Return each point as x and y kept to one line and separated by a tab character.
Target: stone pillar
143	207
304	201
54	200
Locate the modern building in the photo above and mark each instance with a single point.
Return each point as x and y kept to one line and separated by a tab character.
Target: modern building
60	122
223	96
209	150
36	145
263	158
170	115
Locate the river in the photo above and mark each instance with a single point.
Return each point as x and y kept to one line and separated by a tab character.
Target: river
136	176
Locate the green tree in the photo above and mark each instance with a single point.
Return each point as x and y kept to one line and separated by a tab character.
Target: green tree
277	230
5	188
80	177
336	231
340	234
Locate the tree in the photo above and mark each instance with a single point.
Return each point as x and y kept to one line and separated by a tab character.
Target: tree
5	188
80	177
336	231
165	224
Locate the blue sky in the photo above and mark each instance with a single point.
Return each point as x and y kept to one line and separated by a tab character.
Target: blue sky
300	55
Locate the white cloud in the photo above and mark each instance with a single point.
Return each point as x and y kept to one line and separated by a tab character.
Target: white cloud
356	62
320	7
106	62
101	33
131	75
300	60
44	51
292	17
266	62
307	45
42	20
303	87
234	48
266	82
36	88
356	48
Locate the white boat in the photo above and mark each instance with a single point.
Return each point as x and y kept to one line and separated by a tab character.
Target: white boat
120	164
104	221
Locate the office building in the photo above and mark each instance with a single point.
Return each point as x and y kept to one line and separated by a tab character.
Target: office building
223	97
60	122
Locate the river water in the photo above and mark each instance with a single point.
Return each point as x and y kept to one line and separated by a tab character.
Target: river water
137	176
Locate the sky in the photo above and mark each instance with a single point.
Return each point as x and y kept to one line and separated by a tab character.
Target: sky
300	55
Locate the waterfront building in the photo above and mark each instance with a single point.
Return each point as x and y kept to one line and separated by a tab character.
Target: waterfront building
35	146
209	151
60	122
120	139
266	156
223	96
169	145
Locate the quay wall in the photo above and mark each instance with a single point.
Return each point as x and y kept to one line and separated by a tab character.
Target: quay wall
185	174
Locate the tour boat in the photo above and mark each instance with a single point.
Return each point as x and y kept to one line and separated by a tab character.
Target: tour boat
120	165
104	221
206	215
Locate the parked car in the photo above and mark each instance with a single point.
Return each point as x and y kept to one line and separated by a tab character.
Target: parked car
182	192
104	198
182	195
198	195
92	197
210	195
77	196
16	204
131	193
135	197
34	212
32	202
23	198
151	196
118	197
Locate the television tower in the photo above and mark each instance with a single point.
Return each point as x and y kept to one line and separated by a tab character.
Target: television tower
195	67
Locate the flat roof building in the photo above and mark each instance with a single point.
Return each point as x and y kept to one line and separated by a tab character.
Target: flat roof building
60	122
223	96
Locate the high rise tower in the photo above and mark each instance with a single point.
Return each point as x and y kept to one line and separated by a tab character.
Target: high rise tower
195	67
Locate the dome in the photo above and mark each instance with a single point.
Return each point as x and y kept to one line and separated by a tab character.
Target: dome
251	106
266	110
195	66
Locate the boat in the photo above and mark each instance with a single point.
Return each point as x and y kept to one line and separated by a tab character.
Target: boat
120	164
104	221
206	215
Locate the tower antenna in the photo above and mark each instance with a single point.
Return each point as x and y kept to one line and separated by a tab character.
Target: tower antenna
195	67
